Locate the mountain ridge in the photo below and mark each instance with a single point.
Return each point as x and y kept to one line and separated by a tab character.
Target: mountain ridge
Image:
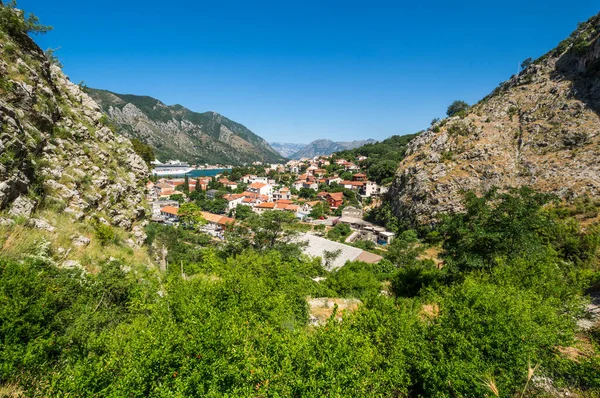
324	147
176	132
540	128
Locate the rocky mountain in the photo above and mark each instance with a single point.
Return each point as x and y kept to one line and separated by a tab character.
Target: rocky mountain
176	132
327	147
56	152
540	128
286	149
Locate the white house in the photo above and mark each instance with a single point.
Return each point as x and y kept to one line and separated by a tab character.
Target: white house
260	188
283	193
233	200
369	189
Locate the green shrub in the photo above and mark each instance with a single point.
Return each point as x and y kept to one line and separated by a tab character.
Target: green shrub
105	233
15	22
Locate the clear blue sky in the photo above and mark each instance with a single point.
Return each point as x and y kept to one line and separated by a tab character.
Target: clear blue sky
294	71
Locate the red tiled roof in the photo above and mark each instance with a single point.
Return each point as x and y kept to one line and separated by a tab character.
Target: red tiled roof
266	205
257	185
284	202
231	197
336	195
356	183
170	210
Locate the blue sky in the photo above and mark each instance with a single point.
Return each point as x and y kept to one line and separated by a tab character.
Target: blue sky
295	71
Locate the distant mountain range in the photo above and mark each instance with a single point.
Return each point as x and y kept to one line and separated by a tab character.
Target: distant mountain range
316	148
176	132
287	149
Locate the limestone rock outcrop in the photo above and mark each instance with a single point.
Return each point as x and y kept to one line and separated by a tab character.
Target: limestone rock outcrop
540	128
56	149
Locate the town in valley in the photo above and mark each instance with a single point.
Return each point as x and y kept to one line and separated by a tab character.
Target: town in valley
330	197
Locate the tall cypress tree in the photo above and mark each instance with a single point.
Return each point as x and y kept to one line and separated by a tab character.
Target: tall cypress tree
186	185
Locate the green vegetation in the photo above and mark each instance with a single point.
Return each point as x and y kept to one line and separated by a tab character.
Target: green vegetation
232	319
14	21
210	149
339	233
104	233
382	157
146	152
457	108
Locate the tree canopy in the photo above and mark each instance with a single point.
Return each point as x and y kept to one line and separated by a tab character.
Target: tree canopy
456	108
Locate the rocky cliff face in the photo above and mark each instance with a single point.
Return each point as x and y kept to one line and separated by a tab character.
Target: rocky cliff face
540	128
55	150
176	132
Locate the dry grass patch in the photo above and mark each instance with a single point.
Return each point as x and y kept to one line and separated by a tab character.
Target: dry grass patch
11	391
581	349
432	253
429	312
321	309
19	239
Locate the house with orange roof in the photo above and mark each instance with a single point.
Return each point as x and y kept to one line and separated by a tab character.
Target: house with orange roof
335	199
359	177
170	213
283	193
165	193
260	188
356	185
216	219
262	207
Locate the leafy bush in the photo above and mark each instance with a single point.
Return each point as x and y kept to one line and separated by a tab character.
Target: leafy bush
105	233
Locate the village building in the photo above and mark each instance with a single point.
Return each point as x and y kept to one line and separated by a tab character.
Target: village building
369	189
298	185
354	185
262	207
283	193
231	184
247	178
335	199
233	200
334	179
310	185
260	188
359	177
169	213
158	205
318	247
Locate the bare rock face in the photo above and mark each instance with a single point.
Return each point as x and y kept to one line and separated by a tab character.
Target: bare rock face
540	128
54	137
22	206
